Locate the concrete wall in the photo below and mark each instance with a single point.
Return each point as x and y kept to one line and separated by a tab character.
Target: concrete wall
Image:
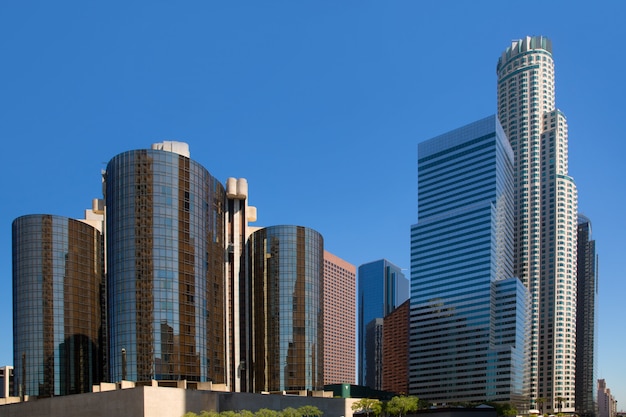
112	403
151	401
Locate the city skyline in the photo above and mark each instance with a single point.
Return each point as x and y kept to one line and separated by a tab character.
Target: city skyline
80	92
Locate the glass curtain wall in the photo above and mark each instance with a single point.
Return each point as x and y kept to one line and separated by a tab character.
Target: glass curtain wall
165	254
57	322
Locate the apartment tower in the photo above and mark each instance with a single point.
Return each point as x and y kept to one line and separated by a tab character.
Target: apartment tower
468	313
545	200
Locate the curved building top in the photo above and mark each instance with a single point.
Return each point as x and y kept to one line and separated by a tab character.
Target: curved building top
521	46
181	148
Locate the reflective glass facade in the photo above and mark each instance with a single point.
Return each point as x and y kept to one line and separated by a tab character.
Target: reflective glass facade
286	313
461	248
165	255
510	376
586	321
382	287
57	321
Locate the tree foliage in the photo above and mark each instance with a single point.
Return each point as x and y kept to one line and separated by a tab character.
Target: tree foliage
304	411
266	412
310	411
368	406
290	412
402	405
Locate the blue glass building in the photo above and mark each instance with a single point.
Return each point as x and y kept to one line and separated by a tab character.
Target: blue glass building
468	315
165	257
286	312
381	288
57	320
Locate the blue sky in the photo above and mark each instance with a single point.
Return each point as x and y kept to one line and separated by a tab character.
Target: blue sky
319	104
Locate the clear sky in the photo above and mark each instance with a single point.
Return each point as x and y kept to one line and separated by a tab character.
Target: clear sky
319	104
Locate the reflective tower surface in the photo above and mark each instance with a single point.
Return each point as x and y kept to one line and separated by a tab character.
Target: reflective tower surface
467	340
545	214
165	257
57	284
286	312
586	321
382	287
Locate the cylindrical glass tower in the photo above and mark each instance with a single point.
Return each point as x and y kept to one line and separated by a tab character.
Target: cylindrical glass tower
165	257
57	285
286	315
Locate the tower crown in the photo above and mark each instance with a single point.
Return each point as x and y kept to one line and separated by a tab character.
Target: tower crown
520	46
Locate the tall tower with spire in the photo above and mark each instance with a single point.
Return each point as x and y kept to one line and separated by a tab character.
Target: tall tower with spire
546	201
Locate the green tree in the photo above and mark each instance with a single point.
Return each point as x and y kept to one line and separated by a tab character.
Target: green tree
369	406
540	401
402	405
266	412
290	412
309	411
559	401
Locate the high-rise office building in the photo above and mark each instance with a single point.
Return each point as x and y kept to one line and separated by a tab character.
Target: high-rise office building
165	267
286	317
339	320
374	354
381	288
57	322
395	373
468	314
545	214
607	405
586	321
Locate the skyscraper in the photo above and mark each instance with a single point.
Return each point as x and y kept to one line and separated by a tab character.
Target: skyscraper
286	309
286	313
545	214
607	405
165	259
339	320
468	313
586	321
381	288
57	322
395	372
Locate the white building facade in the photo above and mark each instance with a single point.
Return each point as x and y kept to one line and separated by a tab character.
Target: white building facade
545	215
